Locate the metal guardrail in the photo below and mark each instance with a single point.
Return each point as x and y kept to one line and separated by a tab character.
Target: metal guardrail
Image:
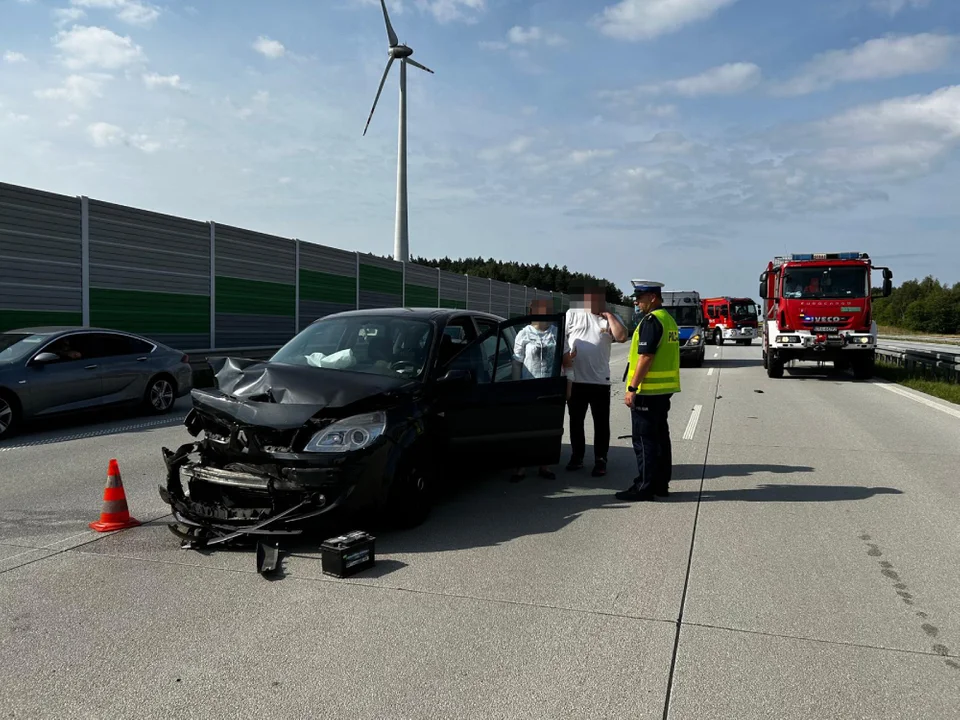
943	363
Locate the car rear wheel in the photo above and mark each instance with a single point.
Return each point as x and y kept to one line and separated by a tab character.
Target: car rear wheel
160	395
9	415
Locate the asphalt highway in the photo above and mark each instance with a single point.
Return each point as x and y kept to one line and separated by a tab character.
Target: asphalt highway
807	565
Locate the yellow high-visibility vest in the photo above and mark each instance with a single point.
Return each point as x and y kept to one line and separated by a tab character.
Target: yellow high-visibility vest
664	375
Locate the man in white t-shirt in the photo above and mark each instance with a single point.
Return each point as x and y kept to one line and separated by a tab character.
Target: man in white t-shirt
590	330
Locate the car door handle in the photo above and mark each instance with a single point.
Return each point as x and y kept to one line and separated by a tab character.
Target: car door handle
142	359
91	367
551	397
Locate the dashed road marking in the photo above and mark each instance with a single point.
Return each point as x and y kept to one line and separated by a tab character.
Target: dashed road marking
94	433
920	399
709	372
692	424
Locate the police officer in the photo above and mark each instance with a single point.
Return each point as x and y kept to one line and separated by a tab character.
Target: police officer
652	377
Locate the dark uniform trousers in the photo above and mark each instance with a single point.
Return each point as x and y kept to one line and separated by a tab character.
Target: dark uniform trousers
651	442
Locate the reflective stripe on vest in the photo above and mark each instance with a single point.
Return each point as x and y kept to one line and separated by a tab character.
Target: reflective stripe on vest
664	375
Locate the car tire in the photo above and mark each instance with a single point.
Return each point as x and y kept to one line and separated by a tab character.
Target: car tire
411	497
774	367
9	415
161	395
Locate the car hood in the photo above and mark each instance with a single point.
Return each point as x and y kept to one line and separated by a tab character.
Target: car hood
686	331
284	397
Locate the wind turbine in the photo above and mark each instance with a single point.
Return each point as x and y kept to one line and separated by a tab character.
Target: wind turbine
398	51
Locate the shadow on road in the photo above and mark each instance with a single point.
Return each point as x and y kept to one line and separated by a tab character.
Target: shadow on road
770	493
731	363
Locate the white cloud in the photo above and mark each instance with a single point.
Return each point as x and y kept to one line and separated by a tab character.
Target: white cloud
730	79
84	47
104	135
155	80
69	120
17	117
14	57
76	89
579	157
272	49
515	147
132	12
893	7
886	57
648	19
65	16
532	36
449	10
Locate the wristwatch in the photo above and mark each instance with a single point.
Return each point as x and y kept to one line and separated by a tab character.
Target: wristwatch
631	388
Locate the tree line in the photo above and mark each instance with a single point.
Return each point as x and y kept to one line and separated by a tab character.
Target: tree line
921	306
543	277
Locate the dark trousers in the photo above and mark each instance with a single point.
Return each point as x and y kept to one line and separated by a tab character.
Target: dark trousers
597	398
651	442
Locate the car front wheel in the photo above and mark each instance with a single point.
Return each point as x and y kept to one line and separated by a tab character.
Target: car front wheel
160	395
411	497
8	415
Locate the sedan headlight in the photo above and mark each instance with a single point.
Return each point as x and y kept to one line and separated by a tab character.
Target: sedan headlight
352	433
694	340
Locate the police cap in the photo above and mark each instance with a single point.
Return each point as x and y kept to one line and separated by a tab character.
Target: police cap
641	287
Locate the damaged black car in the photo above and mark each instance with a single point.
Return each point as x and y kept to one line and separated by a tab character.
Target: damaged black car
363	413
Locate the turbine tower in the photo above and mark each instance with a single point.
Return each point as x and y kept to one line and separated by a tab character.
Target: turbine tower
398	51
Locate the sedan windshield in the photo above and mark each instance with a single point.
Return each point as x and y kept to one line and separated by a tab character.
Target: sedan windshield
16	346
838	282
391	346
684	316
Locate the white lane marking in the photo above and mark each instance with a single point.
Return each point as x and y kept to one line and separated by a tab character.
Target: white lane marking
709	372
692	425
716	354
94	433
916	397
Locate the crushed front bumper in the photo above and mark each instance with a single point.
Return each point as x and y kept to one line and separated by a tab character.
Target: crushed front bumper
215	501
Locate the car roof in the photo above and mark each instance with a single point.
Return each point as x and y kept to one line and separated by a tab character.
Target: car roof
61	329
437	314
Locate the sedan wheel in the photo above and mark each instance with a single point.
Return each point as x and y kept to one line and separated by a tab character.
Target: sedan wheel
160	395
411	498
7	417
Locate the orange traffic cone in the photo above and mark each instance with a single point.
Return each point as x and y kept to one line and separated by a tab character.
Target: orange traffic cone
115	515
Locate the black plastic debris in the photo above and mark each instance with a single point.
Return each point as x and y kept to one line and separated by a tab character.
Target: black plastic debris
347	555
268	558
759	392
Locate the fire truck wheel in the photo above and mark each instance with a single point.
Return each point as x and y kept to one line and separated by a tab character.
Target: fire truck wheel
718	337
863	368
764	359
774	367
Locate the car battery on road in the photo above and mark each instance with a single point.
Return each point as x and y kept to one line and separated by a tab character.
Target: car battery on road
347	555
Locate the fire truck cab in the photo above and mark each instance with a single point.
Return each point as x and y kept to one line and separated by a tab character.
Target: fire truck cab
817	307
730	318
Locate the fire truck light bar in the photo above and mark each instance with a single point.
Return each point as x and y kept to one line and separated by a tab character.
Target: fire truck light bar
830	256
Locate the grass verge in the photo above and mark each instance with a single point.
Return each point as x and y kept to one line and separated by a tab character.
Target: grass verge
943	389
895	332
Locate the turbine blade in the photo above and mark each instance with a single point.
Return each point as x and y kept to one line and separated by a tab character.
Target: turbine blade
379	90
391	35
418	65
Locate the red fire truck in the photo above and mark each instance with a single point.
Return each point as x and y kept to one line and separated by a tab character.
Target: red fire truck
729	318
817	307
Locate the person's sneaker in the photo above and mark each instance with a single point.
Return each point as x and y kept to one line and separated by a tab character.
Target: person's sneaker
634	495
575	464
600	468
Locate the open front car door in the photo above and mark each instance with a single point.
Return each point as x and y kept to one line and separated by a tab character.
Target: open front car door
511	413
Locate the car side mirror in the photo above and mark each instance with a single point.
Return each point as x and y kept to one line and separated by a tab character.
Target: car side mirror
456	377
45	358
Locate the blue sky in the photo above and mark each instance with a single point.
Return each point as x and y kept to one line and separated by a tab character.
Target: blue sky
681	140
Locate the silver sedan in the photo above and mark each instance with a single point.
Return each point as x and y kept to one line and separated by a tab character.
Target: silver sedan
51	371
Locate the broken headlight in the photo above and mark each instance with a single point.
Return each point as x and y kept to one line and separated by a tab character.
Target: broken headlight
352	433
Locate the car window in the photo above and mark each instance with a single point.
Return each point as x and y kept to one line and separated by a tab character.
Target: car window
527	351
71	348
17	346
